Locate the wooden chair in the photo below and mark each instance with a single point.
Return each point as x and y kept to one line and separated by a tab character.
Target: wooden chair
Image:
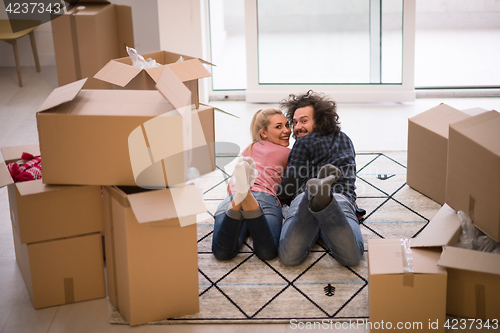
10	37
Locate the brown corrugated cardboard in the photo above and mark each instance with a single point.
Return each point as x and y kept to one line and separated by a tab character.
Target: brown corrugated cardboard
443	229
473	283
416	294
122	74
473	277
151	261
474	111
45	212
112	136
62	271
473	180
427	150
87	37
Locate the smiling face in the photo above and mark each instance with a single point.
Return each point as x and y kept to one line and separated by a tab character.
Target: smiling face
303	121
278	131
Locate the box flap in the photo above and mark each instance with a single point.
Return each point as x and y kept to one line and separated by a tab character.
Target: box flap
155	72
443	229
206	62
62	95
117	73
218	109
438	118
176	202
470	260
12	154
386	256
483	129
37	187
174	91
474	111
189	70
5	178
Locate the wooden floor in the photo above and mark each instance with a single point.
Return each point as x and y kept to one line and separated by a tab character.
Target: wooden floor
372	127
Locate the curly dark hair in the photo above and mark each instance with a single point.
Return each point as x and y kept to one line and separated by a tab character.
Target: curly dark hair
326	119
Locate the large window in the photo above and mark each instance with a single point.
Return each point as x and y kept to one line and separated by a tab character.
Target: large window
329	41
351	48
457	43
367	50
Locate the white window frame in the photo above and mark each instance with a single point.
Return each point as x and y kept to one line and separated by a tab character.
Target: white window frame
404	92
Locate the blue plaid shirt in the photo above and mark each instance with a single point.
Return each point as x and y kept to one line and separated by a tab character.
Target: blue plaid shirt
309	154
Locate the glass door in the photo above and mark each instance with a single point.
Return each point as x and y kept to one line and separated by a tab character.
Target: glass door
355	51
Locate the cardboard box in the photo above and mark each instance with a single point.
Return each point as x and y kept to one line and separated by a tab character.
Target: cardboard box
473	179
44	212
427	150
473	283
443	229
397	295
151	261
62	271
87	37
123	75
124	137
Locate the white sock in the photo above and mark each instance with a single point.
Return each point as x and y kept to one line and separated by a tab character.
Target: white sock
253	173
240	177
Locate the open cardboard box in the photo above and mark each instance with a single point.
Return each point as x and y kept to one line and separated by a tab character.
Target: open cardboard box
473	286
123	75
151	261
473	178
124	137
44	212
87	37
398	296
57	236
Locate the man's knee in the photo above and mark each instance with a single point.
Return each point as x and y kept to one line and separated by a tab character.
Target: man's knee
353	259
290	259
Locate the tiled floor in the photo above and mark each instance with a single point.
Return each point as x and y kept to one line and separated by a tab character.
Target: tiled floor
372	127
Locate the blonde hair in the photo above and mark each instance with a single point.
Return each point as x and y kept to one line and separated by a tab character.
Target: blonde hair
260	121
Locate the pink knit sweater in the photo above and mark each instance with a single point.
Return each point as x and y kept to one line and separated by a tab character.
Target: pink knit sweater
270	160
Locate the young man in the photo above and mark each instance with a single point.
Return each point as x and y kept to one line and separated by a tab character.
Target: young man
318	184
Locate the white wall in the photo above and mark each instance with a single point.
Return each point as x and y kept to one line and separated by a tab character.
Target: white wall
183	30
144	20
181	26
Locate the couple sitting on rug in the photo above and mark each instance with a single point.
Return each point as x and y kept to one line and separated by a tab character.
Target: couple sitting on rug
315	178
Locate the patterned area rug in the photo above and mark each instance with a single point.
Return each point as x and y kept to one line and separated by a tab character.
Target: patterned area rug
249	290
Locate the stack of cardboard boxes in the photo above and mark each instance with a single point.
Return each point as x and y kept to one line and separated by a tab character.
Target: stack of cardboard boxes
124	138
453	158
57	236
97	146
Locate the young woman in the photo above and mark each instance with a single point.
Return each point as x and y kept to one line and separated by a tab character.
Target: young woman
252	206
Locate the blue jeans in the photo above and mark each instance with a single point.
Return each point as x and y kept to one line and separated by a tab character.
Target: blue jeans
230	233
336	224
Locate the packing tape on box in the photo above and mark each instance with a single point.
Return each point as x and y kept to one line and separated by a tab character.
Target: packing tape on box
480	298
74	40
408	269
69	291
